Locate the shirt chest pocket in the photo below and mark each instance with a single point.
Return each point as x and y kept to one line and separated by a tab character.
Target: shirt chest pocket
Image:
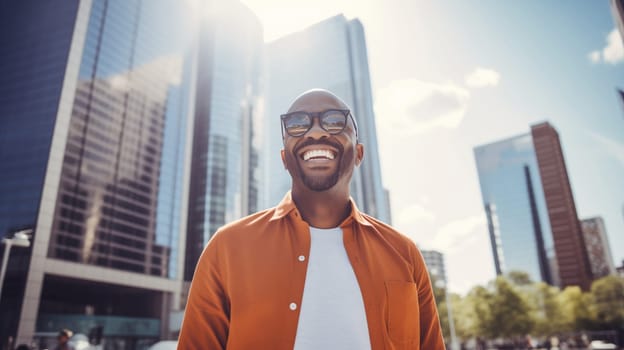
403	320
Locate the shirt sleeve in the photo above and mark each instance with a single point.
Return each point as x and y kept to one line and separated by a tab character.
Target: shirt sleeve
430	331
207	315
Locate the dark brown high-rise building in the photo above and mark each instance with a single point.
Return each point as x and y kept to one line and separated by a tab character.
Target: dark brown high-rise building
572	259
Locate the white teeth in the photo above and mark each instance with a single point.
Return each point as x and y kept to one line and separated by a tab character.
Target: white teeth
318	153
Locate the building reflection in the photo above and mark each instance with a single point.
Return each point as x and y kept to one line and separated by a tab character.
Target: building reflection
107	258
108	195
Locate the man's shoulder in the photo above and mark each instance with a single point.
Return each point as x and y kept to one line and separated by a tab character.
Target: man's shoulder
389	232
400	243
249	224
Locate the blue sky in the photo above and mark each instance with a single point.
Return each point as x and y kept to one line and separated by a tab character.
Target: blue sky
451	75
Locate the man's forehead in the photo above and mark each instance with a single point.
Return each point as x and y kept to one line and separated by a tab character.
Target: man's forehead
317	100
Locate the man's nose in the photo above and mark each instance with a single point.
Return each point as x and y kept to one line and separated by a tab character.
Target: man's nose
316	131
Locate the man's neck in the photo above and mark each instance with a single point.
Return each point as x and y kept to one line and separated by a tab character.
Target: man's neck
325	209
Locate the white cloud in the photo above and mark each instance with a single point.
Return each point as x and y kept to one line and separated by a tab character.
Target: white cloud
612	147
453	235
594	56
482	77
413	214
466	248
417	221
465	245
612	53
412	106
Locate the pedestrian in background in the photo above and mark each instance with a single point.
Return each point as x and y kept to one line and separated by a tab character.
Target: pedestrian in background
63	340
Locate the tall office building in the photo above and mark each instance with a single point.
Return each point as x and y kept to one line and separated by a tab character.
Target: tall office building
513	198
435	264
597	246
224	176
330	55
530	210
95	131
572	259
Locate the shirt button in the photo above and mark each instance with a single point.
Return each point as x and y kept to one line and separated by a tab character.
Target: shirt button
293	306
301	258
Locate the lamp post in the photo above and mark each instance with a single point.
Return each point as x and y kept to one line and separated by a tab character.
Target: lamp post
20	239
454	344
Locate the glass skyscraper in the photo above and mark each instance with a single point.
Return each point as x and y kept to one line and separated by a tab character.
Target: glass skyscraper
515	206
225	163
530	209
32	67
330	55
95	118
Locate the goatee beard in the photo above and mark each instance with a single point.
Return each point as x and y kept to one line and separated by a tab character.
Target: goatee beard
319	183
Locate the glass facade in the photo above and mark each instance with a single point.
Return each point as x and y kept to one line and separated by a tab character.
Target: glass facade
113	317
94	122
295	64
121	183
515	206
32	67
224	176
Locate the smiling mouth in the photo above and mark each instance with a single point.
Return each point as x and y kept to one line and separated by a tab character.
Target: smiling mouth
318	154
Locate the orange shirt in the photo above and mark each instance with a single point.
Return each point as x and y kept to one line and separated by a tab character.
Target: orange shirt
249	281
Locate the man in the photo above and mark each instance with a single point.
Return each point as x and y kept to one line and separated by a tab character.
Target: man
63	340
313	272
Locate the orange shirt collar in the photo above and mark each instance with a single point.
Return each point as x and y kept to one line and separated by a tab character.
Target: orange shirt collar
287	205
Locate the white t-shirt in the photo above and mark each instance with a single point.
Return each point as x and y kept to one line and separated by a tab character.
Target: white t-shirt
332	312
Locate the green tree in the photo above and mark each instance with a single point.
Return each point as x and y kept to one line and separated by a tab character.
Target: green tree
576	310
465	316
510	314
439	292
440	298
546	309
519	278
608	301
480	302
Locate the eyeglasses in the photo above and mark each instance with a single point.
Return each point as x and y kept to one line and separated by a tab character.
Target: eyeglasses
333	121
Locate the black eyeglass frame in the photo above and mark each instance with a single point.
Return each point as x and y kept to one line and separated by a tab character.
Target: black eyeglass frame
317	115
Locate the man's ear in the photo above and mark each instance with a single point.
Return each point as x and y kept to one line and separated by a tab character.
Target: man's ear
359	148
283	158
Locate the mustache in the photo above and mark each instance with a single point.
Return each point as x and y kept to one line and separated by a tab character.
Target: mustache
312	142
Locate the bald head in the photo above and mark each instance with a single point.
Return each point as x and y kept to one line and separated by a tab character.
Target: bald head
318	98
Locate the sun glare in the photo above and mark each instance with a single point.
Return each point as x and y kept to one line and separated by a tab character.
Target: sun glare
280	17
